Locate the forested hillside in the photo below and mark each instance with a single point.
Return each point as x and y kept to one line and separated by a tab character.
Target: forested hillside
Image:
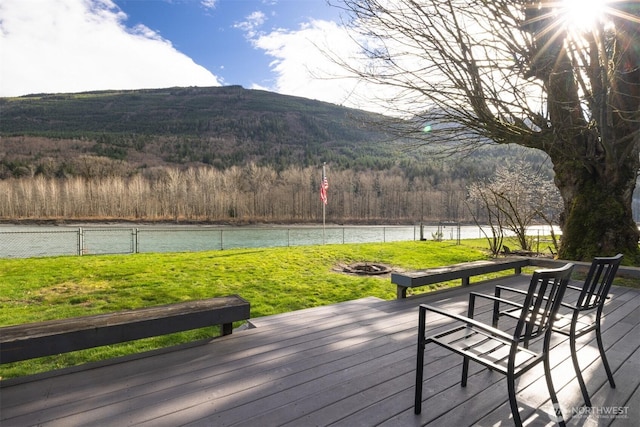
218	126
222	154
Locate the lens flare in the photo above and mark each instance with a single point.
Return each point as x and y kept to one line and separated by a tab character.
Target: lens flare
582	15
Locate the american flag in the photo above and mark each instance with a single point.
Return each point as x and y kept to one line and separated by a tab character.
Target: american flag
323	189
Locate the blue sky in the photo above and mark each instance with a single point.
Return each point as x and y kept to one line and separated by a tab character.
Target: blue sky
57	46
220	35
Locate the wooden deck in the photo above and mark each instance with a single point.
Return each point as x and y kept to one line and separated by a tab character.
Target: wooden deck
349	364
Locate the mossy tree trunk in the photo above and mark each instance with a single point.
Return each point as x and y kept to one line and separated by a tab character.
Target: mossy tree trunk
597	217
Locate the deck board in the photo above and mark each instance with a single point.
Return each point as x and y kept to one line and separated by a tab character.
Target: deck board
348	364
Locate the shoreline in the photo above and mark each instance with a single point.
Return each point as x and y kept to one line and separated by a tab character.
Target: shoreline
225	223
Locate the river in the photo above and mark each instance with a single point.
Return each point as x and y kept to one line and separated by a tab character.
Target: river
24	241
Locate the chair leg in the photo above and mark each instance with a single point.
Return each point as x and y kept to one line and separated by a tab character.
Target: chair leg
576	367
511	385
603	356
552	392
465	371
417	406
496	309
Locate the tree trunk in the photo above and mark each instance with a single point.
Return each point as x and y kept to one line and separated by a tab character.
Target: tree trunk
597	219
596	156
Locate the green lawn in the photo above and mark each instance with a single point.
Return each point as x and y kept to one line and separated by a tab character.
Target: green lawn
273	280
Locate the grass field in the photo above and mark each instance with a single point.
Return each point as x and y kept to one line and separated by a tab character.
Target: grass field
273	280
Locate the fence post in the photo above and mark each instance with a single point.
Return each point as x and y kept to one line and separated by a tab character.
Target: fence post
135	241
80	241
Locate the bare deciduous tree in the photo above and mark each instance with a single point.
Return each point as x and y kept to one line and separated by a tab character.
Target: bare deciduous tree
480	197
242	194
467	72
515	198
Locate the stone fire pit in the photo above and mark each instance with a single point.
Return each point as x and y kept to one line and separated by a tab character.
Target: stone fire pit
366	268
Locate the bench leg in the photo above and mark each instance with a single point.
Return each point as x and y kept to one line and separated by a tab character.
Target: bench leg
401	292
227	328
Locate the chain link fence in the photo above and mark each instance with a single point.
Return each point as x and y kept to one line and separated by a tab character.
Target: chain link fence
26	242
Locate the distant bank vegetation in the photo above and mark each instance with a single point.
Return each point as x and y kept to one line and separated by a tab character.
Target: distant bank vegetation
239	194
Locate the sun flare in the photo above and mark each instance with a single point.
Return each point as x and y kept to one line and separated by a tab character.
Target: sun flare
582	15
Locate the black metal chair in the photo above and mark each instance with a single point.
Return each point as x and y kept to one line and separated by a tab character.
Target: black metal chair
500	351
579	319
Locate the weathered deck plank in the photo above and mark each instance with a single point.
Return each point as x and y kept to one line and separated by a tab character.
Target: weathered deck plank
348	364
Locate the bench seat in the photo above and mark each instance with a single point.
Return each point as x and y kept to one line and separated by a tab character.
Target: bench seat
31	340
463	271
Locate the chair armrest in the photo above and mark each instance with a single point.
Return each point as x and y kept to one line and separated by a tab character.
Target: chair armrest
579	289
569	306
506	288
464	319
496	299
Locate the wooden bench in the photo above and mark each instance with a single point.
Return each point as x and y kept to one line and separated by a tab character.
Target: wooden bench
463	271
466	270
31	340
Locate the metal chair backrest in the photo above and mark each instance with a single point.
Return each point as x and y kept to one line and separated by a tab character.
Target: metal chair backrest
542	302
598	282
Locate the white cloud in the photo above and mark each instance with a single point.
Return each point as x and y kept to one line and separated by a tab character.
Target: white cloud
252	23
53	46
209	4
304	65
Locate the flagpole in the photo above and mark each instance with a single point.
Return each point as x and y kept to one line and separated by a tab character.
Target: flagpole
324	205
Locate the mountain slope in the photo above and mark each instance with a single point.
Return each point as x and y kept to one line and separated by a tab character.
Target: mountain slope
222	126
